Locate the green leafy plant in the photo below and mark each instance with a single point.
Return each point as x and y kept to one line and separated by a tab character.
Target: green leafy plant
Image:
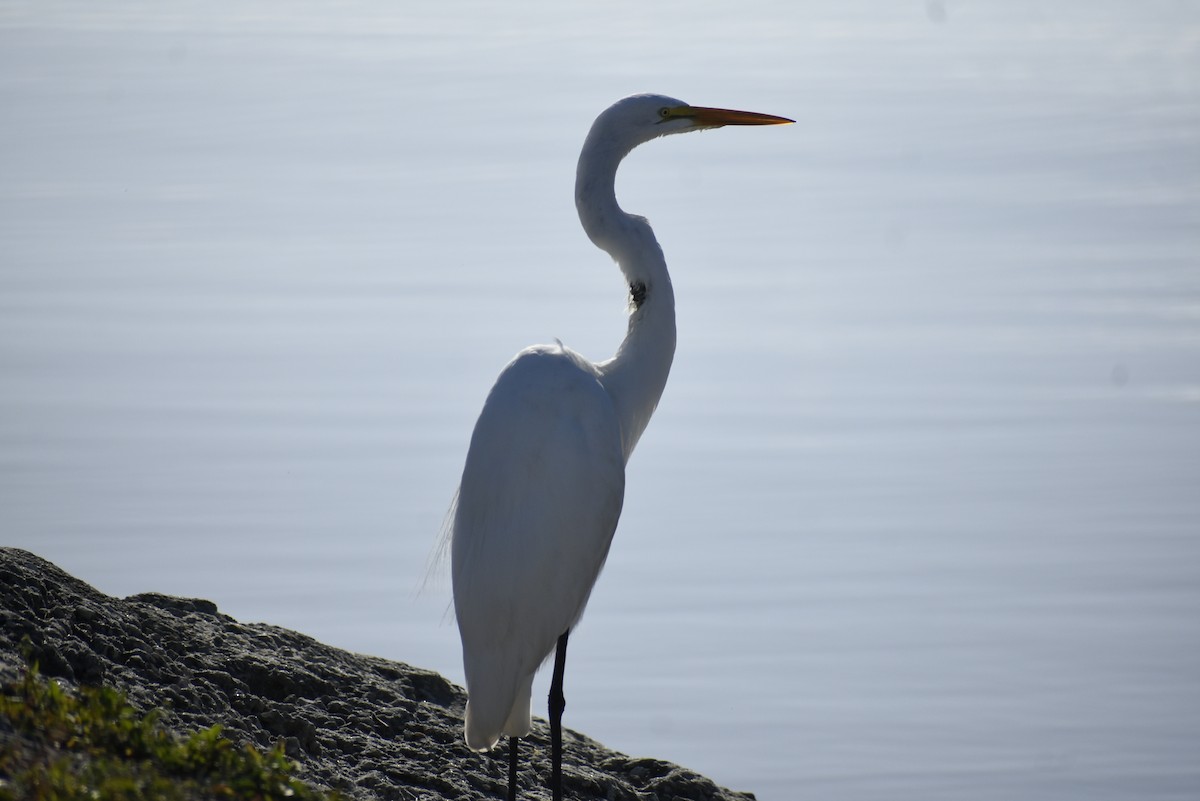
56	745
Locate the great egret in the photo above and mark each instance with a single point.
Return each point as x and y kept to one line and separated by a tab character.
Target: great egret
545	472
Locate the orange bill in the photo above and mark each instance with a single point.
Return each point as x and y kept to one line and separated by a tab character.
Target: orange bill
724	116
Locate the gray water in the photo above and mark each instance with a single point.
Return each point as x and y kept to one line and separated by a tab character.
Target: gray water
919	515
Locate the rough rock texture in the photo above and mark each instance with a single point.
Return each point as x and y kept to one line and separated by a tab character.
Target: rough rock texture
368	727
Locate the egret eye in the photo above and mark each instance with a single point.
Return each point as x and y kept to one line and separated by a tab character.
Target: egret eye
664	112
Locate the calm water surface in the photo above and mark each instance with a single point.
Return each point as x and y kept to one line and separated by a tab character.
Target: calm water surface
919	516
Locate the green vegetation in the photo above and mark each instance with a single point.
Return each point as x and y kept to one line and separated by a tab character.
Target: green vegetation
58	746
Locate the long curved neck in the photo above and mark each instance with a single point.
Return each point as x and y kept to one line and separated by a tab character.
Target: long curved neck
636	376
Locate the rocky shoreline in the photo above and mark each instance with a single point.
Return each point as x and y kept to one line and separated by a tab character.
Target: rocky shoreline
368	727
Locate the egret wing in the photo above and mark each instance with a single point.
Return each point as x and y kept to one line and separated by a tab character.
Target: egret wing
537	507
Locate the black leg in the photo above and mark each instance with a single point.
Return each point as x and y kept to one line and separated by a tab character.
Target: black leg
557	704
513	743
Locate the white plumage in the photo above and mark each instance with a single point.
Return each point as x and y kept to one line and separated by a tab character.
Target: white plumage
545	472
537	508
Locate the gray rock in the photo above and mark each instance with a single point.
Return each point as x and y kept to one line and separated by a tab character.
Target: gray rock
370	728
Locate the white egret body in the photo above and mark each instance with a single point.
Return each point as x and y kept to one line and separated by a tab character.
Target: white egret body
544	479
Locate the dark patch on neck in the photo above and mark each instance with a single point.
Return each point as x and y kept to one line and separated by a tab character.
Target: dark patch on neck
637	291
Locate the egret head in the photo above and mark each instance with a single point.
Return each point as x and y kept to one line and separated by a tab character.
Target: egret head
619	129
639	118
